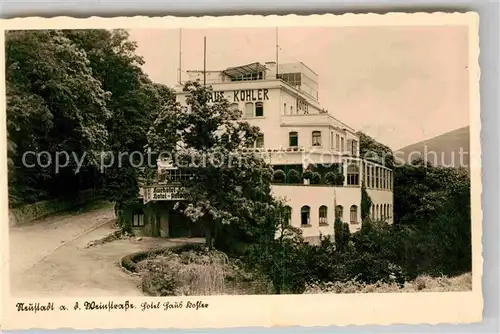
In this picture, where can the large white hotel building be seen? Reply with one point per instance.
(297, 135)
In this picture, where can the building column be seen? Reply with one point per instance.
(361, 168)
(344, 167)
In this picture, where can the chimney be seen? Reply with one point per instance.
(271, 70)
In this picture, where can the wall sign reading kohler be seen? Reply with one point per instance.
(244, 95)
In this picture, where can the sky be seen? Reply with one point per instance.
(400, 85)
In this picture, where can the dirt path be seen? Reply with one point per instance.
(31, 242)
(71, 269)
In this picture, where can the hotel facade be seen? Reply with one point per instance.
(318, 170)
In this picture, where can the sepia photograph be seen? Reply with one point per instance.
(197, 161)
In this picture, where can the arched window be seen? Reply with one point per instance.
(383, 211)
(293, 139)
(259, 109)
(249, 109)
(316, 138)
(284, 109)
(377, 212)
(373, 212)
(288, 215)
(305, 215)
(138, 219)
(259, 143)
(339, 212)
(354, 214)
(323, 215)
(352, 174)
(234, 106)
(291, 110)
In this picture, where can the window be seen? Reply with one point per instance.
(224, 138)
(323, 215)
(373, 212)
(316, 138)
(383, 212)
(376, 177)
(288, 215)
(305, 215)
(284, 108)
(291, 110)
(176, 176)
(138, 219)
(354, 214)
(354, 146)
(337, 142)
(293, 79)
(339, 212)
(234, 106)
(372, 176)
(259, 109)
(377, 212)
(331, 140)
(368, 172)
(260, 141)
(293, 139)
(352, 174)
(249, 76)
(342, 147)
(249, 109)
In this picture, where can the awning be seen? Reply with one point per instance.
(238, 71)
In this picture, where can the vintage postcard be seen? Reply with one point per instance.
(212, 172)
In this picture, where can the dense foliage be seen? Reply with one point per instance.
(80, 92)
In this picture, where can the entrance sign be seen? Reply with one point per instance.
(165, 193)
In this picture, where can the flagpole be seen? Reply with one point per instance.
(180, 56)
(205, 61)
(277, 53)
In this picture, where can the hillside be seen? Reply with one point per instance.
(441, 150)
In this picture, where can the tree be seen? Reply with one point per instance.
(134, 104)
(54, 104)
(342, 235)
(206, 140)
(278, 250)
(366, 203)
(374, 151)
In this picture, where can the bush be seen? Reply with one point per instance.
(340, 179)
(294, 176)
(316, 178)
(307, 175)
(421, 283)
(189, 273)
(331, 178)
(279, 176)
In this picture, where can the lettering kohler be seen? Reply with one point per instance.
(245, 95)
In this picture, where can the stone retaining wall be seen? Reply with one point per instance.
(30, 212)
